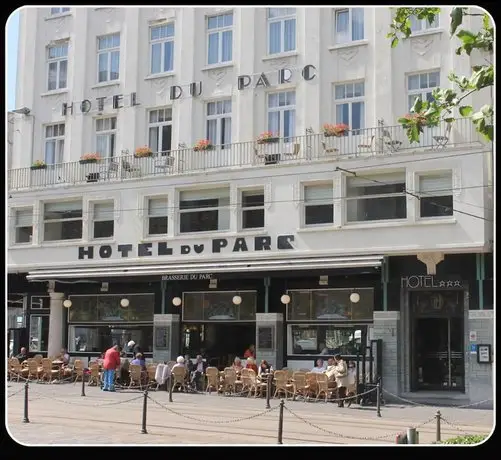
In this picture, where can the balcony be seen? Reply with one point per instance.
(311, 148)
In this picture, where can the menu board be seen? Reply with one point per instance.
(162, 334)
(265, 338)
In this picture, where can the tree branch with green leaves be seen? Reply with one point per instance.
(445, 101)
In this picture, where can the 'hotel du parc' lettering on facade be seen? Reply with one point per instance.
(217, 245)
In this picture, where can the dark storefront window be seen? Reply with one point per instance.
(312, 339)
(219, 306)
(330, 304)
(39, 333)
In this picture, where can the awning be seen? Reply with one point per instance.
(210, 267)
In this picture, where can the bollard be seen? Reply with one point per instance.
(438, 416)
(378, 399)
(281, 421)
(171, 386)
(83, 384)
(26, 419)
(401, 438)
(412, 437)
(268, 391)
(145, 405)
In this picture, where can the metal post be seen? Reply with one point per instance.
(281, 421)
(145, 405)
(268, 391)
(83, 383)
(378, 399)
(438, 416)
(411, 436)
(26, 419)
(170, 387)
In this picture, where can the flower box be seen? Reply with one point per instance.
(268, 138)
(143, 152)
(335, 130)
(35, 167)
(203, 145)
(87, 161)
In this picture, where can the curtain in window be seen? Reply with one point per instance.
(115, 65)
(213, 48)
(357, 24)
(50, 152)
(157, 207)
(212, 131)
(103, 67)
(343, 114)
(102, 145)
(103, 211)
(24, 218)
(290, 35)
(63, 72)
(342, 26)
(274, 122)
(289, 123)
(153, 139)
(207, 194)
(52, 84)
(226, 131)
(357, 115)
(438, 185)
(275, 31)
(168, 56)
(314, 193)
(226, 49)
(156, 51)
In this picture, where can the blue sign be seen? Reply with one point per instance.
(473, 348)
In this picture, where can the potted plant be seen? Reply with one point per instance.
(267, 138)
(89, 158)
(143, 152)
(336, 130)
(203, 144)
(38, 164)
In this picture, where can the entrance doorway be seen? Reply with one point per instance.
(438, 341)
(221, 342)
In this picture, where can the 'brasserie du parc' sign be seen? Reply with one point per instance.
(217, 245)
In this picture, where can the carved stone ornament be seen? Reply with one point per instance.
(348, 54)
(218, 76)
(421, 45)
(431, 260)
(279, 63)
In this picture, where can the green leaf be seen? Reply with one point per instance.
(418, 104)
(465, 110)
(486, 22)
(456, 19)
(413, 135)
(394, 42)
(403, 121)
(449, 120)
(466, 36)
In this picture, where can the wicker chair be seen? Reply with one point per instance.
(281, 385)
(78, 370)
(254, 384)
(212, 379)
(135, 373)
(34, 370)
(95, 377)
(299, 385)
(47, 372)
(322, 386)
(179, 377)
(230, 378)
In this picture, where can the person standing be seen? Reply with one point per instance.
(250, 352)
(341, 375)
(111, 363)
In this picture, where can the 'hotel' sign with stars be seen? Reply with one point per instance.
(429, 282)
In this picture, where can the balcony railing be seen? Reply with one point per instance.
(371, 142)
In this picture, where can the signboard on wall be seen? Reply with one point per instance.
(429, 282)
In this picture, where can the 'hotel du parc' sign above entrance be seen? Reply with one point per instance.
(216, 246)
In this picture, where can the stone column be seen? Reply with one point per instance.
(387, 328)
(270, 338)
(56, 323)
(165, 337)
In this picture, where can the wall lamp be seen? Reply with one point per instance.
(176, 301)
(22, 111)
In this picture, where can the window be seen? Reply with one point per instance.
(57, 58)
(162, 48)
(349, 25)
(160, 130)
(418, 25)
(218, 306)
(380, 198)
(204, 210)
(108, 57)
(54, 144)
(282, 114)
(219, 122)
(253, 209)
(421, 86)
(106, 129)
(350, 105)
(435, 191)
(281, 30)
(63, 221)
(219, 38)
(23, 225)
(40, 302)
(54, 11)
(104, 219)
(157, 216)
(39, 333)
(318, 204)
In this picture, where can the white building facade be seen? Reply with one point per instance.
(265, 235)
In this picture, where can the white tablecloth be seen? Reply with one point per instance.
(162, 373)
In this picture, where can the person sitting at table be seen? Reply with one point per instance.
(320, 367)
(179, 362)
(22, 356)
(251, 364)
(250, 352)
(139, 360)
(264, 368)
(237, 365)
(64, 356)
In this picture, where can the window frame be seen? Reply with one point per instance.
(350, 26)
(108, 133)
(424, 25)
(59, 143)
(350, 101)
(244, 209)
(16, 226)
(71, 219)
(217, 208)
(318, 203)
(218, 117)
(57, 60)
(219, 31)
(281, 109)
(148, 215)
(420, 92)
(108, 51)
(161, 41)
(158, 125)
(281, 19)
(61, 11)
(92, 231)
(450, 193)
(42, 315)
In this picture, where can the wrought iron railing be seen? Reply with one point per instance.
(380, 141)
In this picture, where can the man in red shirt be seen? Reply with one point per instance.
(110, 364)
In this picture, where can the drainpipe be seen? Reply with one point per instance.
(384, 282)
(163, 288)
(266, 294)
(480, 279)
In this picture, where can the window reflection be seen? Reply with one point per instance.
(329, 340)
(219, 306)
(39, 332)
(100, 338)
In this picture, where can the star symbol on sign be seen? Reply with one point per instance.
(442, 284)
(457, 283)
(449, 284)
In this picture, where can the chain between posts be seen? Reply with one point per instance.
(433, 405)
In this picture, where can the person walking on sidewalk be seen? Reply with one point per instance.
(111, 363)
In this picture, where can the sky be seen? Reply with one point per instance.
(11, 64)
